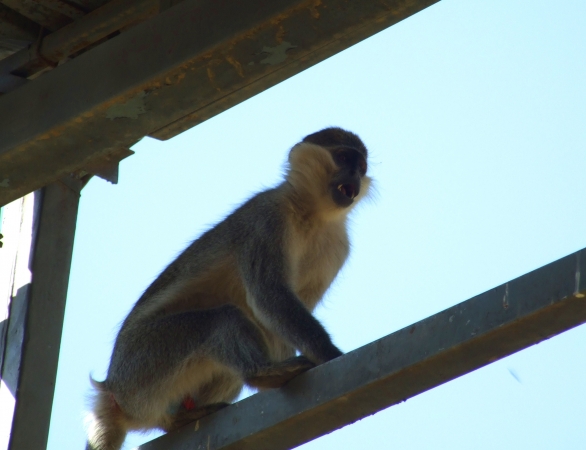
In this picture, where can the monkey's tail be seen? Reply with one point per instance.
(107, 423)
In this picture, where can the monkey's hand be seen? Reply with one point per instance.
(280, 373)
(1, 244)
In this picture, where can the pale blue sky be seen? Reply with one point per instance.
(474, 114)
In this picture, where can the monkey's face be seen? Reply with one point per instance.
(327, 170)
(347, 181)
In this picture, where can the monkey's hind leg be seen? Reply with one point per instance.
(280, 373)
(271, 377)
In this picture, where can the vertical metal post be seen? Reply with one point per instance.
(15, 279)
(43, 319)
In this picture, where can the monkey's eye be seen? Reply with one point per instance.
(362, 166)
(341, 157)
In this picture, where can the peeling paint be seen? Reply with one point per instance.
(210, 73)
(277, 54)
(129, 110)
(5, 183)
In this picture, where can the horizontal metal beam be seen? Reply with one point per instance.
(16, 31)
(73, 38)
(449, 344)
(179, 68)
(76, 36)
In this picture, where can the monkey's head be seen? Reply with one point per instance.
(332, 160)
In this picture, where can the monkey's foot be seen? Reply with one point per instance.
(185, 416)
(280, 373)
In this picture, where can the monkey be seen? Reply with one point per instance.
(235, 306)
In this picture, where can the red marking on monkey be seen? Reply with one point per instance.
(188, 403)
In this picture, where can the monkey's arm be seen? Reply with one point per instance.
(276, 305)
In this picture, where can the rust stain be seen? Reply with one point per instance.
(276, 20)
(210, 59)
(386, 5)
(236, 65)
(213, 55)
(211, 74)
(399, 10)
(280, 34)
(313, 9)
(55, 133)
(121, 99)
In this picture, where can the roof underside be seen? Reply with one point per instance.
(83, 80)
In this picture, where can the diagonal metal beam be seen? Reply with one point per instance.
(442, 347)
(181, 67)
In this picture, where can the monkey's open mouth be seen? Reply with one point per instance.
(348, 190)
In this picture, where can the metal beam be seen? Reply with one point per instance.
(75, 37)
(44, 311)
(449, 344)
(16, 31)
(181, 67)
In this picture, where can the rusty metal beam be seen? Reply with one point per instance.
(181, 67)
(442, 347)
(33, 10)
(75, 37)
(16, 31)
